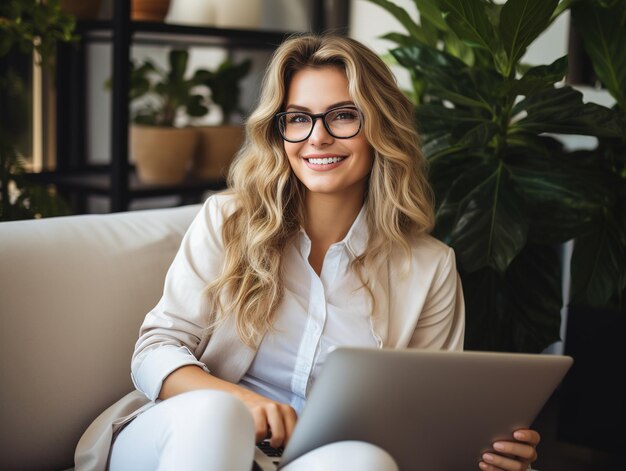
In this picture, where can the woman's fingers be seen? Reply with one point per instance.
(517, 450)
(512, 455)
(493, 462)
(531, 437)
(278, 418)
(276, 424)
(260, 423)
(282, 420)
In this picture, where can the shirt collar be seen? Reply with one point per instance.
(357, 236)
(355, 240)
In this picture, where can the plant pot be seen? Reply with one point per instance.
(149, 10)
(82, 9)
(162, 155)
(238, 13)
(216, 148)
(191, 12)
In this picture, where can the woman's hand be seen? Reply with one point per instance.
(512, 455)
(269, 415)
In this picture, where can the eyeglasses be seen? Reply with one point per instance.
(342, 123)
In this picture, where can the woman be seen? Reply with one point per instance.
(320, 241)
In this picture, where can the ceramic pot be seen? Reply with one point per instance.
(244, 14)
(149, 10)
(82, 9)
(162, 155)
(191, 12)
(217, 145)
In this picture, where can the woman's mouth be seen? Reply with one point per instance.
(323, 162)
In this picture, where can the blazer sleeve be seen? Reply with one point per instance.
(441, 325)
(174, 328)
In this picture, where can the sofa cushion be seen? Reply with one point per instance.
(73, 293)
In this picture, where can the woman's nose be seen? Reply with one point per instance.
(319, 134)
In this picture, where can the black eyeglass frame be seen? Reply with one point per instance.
(321, 116)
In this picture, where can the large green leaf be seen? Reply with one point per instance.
(429, 61)
(492, 223)
(479, 136)
(561, 110)
(403, 17)
(446, 76)
(521, 21)
(563, 6)
(429, 10)
(177, 64)
(469, 20)
(433, 118)
(403, 40)
(536, 79)
(519, 311)
(564, 199)
(604, 36)
(451, 172)
(598, 268)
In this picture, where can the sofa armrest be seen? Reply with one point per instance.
(73, 293)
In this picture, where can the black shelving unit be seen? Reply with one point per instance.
(74, 177)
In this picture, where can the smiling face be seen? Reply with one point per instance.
(324, 164)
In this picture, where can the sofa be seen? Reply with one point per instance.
(73, 293)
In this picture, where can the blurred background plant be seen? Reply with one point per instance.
(27, 27)
(599, 258)
(508, 191)
(225, 87)
(168, 89)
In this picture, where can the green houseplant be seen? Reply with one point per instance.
(596, 318)
(26, 26)
(219, 144)
(163, 152)
(598, 268)
(507, 190)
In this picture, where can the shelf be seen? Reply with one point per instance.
(99, 183)
(166, 34)
(75, 177)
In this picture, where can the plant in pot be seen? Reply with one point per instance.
(591, 393)
(219, 144)
(26, 27)
(162, 152)
(507, 190)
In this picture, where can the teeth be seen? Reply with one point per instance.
(326, 160)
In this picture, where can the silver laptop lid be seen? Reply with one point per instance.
(429, 409)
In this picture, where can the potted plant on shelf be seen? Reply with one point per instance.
(162, 152)
(507, 191)
(219, 144)
(26, 27)
(149, 10)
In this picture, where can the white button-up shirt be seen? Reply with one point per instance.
(317, 314)
(418, 304)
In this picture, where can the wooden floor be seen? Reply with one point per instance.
(558, 455)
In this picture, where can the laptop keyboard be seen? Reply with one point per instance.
(265, 447)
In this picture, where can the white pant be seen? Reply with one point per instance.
(212, 430)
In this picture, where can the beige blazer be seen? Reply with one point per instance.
(421, 307)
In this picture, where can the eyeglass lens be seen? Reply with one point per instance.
(341, 123)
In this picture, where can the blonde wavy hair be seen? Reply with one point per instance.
(269, 198)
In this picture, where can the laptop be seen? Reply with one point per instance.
(429, 409)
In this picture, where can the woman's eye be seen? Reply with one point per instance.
(298, 119)
(345, 115)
